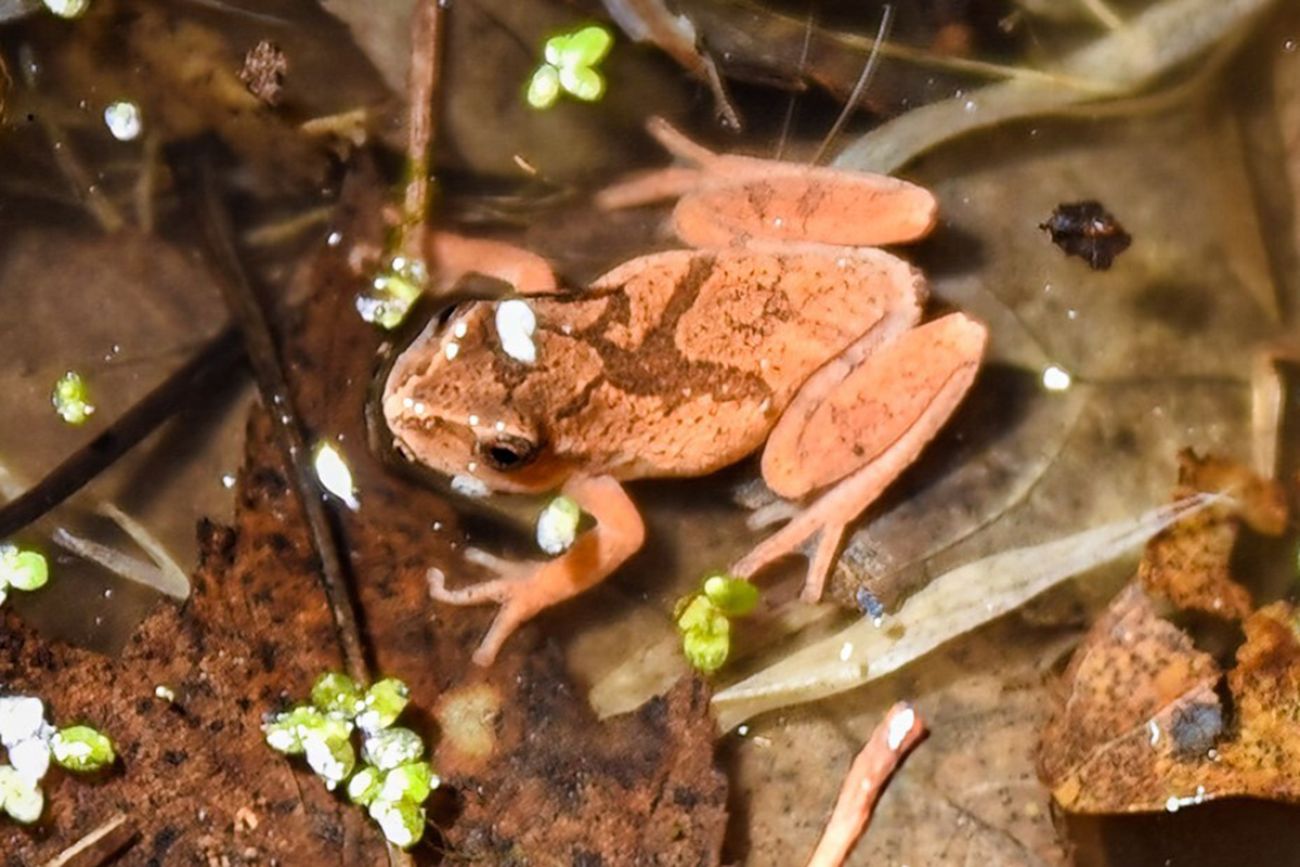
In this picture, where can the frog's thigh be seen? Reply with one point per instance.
(839, 423)
(777, 202)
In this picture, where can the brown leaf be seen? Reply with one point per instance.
(538, 776)
(1188, 563)
(196, 777)
(1142, 728)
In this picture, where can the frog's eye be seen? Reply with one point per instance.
(506, 453)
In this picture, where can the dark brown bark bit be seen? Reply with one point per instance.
(1089, 231)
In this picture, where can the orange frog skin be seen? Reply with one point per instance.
(784, 331)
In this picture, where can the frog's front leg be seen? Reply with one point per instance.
(856, 424)
(455, 256)
(525, 588)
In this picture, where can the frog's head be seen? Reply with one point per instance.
(450, 402)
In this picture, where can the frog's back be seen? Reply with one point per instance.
(701, 351)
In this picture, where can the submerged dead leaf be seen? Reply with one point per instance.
(1143, 729)
(1188, 564)
(547, 783)
(1139, 723)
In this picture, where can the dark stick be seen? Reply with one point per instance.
(247, 312)
(194, 378)
(421, 129)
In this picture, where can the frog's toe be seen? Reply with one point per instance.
(496, 590)
(793, 538)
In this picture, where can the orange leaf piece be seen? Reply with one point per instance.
(1188, 563)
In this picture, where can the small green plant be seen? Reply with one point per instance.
(21, 569)
(71, 398)
(557, 525)
(704, 619)
(569, 66)
(392, 780)
(31, 743)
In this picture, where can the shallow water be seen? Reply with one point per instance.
(1159, 352)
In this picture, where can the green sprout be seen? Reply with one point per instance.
(557, 525)
(395, 288)
(704, 619)
(570, 67)
(71, 398)
(21, 569)
(390, 780)
(82, 749)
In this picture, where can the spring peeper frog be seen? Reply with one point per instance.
(783, 330)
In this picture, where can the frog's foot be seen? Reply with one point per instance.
(524, 588)
(791, 539)
(775, 512)
(645, 188)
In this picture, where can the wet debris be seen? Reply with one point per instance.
(1087, 230)
(263, 72)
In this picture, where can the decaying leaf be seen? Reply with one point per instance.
(536, 776)
(185, 80)
(1188, 562)
(1143, 729)
(1139, 724)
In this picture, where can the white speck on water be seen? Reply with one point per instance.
(516, 322)
(1175, 803)
(899, 726)
(468, 486)
(123, 120)
(335, 475)
(1056, 378)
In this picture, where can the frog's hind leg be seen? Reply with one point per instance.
(854, 428)
(525, 588)
(672, 182)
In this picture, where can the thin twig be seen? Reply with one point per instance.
(194, 379)
(868, 71)
(900, 730)
(99, 846)
(247, 312)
